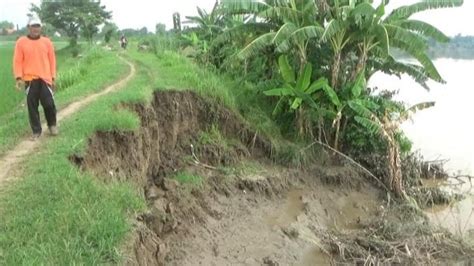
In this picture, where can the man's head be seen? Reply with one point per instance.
(34, 27)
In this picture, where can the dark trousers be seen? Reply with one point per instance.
(38, 91)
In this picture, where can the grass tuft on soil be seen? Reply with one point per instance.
(188, 178)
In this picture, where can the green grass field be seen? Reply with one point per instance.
(57, 214)
(9, 97)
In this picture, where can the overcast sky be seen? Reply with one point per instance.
(140, 13)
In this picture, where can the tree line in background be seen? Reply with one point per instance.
(459, 47)
(6, 27)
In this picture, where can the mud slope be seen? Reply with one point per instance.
(246, 210)
(169, 126)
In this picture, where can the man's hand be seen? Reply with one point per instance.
(53, 85)
(20, 84)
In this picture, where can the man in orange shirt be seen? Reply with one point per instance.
(34, 67)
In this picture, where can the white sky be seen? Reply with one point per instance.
(140, 13)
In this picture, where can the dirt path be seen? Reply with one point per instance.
(11, 160)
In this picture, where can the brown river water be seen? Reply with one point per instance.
(445, 132)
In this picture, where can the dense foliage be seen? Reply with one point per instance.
(312, 60)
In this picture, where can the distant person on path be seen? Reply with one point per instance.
(34, 67)
(123, 41)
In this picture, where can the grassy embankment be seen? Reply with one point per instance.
(57, 214)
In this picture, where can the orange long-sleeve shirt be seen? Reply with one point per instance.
(34, 58)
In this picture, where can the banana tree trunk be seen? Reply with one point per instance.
(361, 63)
(336, 135)
(395, 168)
(335, 70)
(303, 59)
(300, 122)
(320, 129)
(303, 124)
(342, 130)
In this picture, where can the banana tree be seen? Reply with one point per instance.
(290, 25)
(357, 36)
(387, 126)
(357, 27)
(298, 92)
(337, 34)
(397, 30)
(208, 25)
(342, 102)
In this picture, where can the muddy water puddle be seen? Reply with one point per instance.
(314, 256)
(294, 206)
(353, 208)
(340, 211)
(457, 217)
(434, 183)
(293, 214)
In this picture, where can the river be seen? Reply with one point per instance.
(443, 132)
